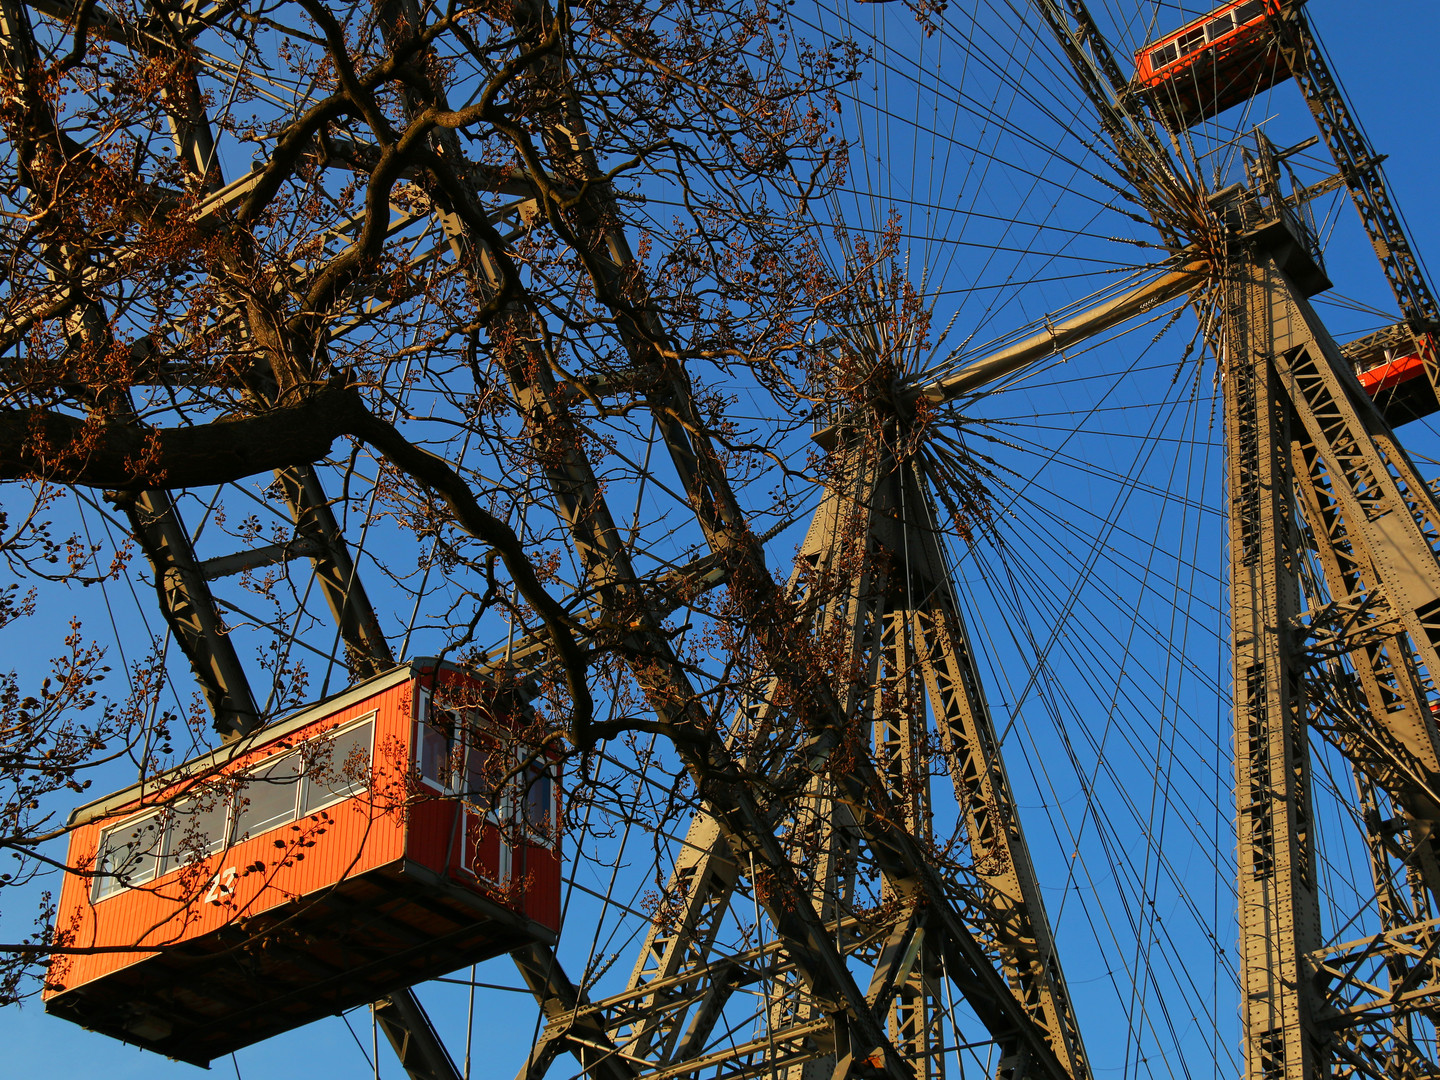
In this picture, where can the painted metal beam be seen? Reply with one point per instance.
(1195, 274)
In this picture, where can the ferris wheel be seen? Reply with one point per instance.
(1069, 455)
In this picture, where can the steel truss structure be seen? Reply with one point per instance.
(1334, 612)
(1314, 465)
(882, 592)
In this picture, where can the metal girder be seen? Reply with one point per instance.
(698, 893)
(1313, 464)
(1360, 170)
(1359, 167)
(324, 544)
(747, 829)
(317, 533)
(1369, 632)
(1401, 859)
(186, 600)
(910, 643)
(1278, 896)
(1379, 982)
(1094, 65)
(1085, 34)
(191, 612)
(417, 1046)
(1195, 274)
(925, 614)
(1147, 165)
(894, 609)
(570, 1024)
(1391, 525)
(703, 991)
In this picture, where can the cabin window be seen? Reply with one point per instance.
(197, 829)
(434, 755)
(266, 798)
(284, 788)
(1166, 54)
(277, 792)
(1191, 40)
(458, 756)
(480, 778)
(1218, 28)
(342, 773)
(539, 802)
(440, 752)
(1249, 11)
(129, 855)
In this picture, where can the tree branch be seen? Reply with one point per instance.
(38, 444)
(42, 445)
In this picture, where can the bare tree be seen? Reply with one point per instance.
(429, 280)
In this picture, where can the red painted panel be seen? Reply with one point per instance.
(431, 838)
(1391, 374)
(538, 868)
(483, 848)
(486, 857)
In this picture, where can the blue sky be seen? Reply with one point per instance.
(1397, 98)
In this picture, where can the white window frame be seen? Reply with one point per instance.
(1190, 35)
(169, 862)
(371, 718)
(466, 720)
(495, 816)
(424, 710)
(509, 814)
(105, 885)
(261, 766)
(539, 837)
(1250, 18)
(503, 808)
(1213, 30)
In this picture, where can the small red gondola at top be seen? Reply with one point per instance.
(1211, 63)
(393, 833)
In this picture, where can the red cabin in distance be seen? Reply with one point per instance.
(1392, 372)
(382, 837)
(1212, 63)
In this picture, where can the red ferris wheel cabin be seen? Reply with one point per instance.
(390, 834)
(1391, 369)
(1211, 63)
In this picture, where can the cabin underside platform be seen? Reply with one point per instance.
(328, 952)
